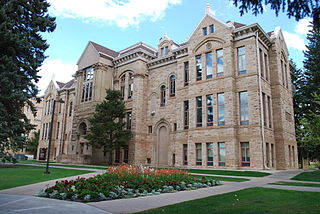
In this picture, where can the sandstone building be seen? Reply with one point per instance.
(222, 100)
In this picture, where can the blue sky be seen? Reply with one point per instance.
(118, 24)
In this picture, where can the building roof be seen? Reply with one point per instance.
(104, 50)
(236, 24)
(69, 84)
(60, 84)
(137, 46)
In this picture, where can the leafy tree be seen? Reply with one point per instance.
(21, 54)
(107, 126)
(298, 9)
(32, 143)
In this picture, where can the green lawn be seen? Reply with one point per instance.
(23, 175)
(218, 178)
(308, 176)
(253, 200)
(295, 184)
(230, 172)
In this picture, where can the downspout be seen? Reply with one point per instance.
(260, 103)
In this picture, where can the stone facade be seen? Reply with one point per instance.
(222, 100)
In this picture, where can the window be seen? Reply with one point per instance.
(46, 132)
(198, 154)
(242, 60)
(185, 154)
(149, 129)
(244, 118)
(204, 31)
(245, 154)
(43, 129)
(186, 73)
(162, 51)
(209, 154)
(209, 65)
(222, 153)
(174, 126)
(286, 75)
(70, 109)
(266, 66)
(220, 63)
(117, 155)
(163, 95)
(130, 86)
(269, 111)
(122, 85)
(199, 67)
(125, 154)
(199, 111)
(282, 73)
(58, 128)
(83, 129)
(209, 110)
(221, 120)
(211, 27)
(186, 114)
(172, 85)
(166, 50)
(264, 109)
(261, 62)
(272, 155)
(88, 75)
(129, 120)
(268, 155)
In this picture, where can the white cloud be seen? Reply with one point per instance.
(62, 72)
(121, 13)
(294, 41)
(303, 26)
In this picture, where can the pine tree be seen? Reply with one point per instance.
(107, 126)
(21, 54)
(298, 9)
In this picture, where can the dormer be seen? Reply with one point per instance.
(166, 46)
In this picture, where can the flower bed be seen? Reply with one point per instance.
(125, 181)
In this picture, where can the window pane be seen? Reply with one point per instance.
(204, 30)
(199, 67)
(220, 62)
(211, 28)
(209, 65)
(221, 98)
(221, 113)
(244, 97)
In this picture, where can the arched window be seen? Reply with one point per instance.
(83, 128)
(172, 85)
(130, 86)
(163, 95)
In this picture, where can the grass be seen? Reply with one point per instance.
(295, 184)
(253, 200)
(218, 178)
(229, 172)
(24, 175)
(308, 176)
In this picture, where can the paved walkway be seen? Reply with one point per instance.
(11, 199)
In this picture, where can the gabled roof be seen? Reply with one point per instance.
(60, 84)
(104, 50)
(137, 46)
(236, 24)
(69, 84)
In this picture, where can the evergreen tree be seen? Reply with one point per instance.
(21, 54)
(298, 9)
(107, 126)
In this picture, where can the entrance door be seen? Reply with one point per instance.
(162, 147)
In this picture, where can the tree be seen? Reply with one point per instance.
(107, 126)
(298, 9)
(32, 143)
(21, 54)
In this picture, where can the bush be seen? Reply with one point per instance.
(125, 181)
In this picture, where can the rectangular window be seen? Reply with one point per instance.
(264, 107)
(149, 129)
(245, 154)
(209, 154)
(199, 111)
(162, 51)
(186, 114)
(211, 28)
(242, 67)
(186, 73)
(286, 75)
(244, 110)
(221, 109)
(174, 126)
(261, 62)
(266, 66)
(166, 50)
(58, 128)
(209, 110)
(204, 31)
(185, 154)
(272, 155)
(199, 67)
(46, 132)
(129, 120)
(290, 161)
(43, 129)
(209, 65)
(282, 73)
(130, 86)
(269, 111)
(222, 153)
(268, 154)
(198, 154)
(220, 71)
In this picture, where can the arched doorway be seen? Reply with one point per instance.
(162, 145)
